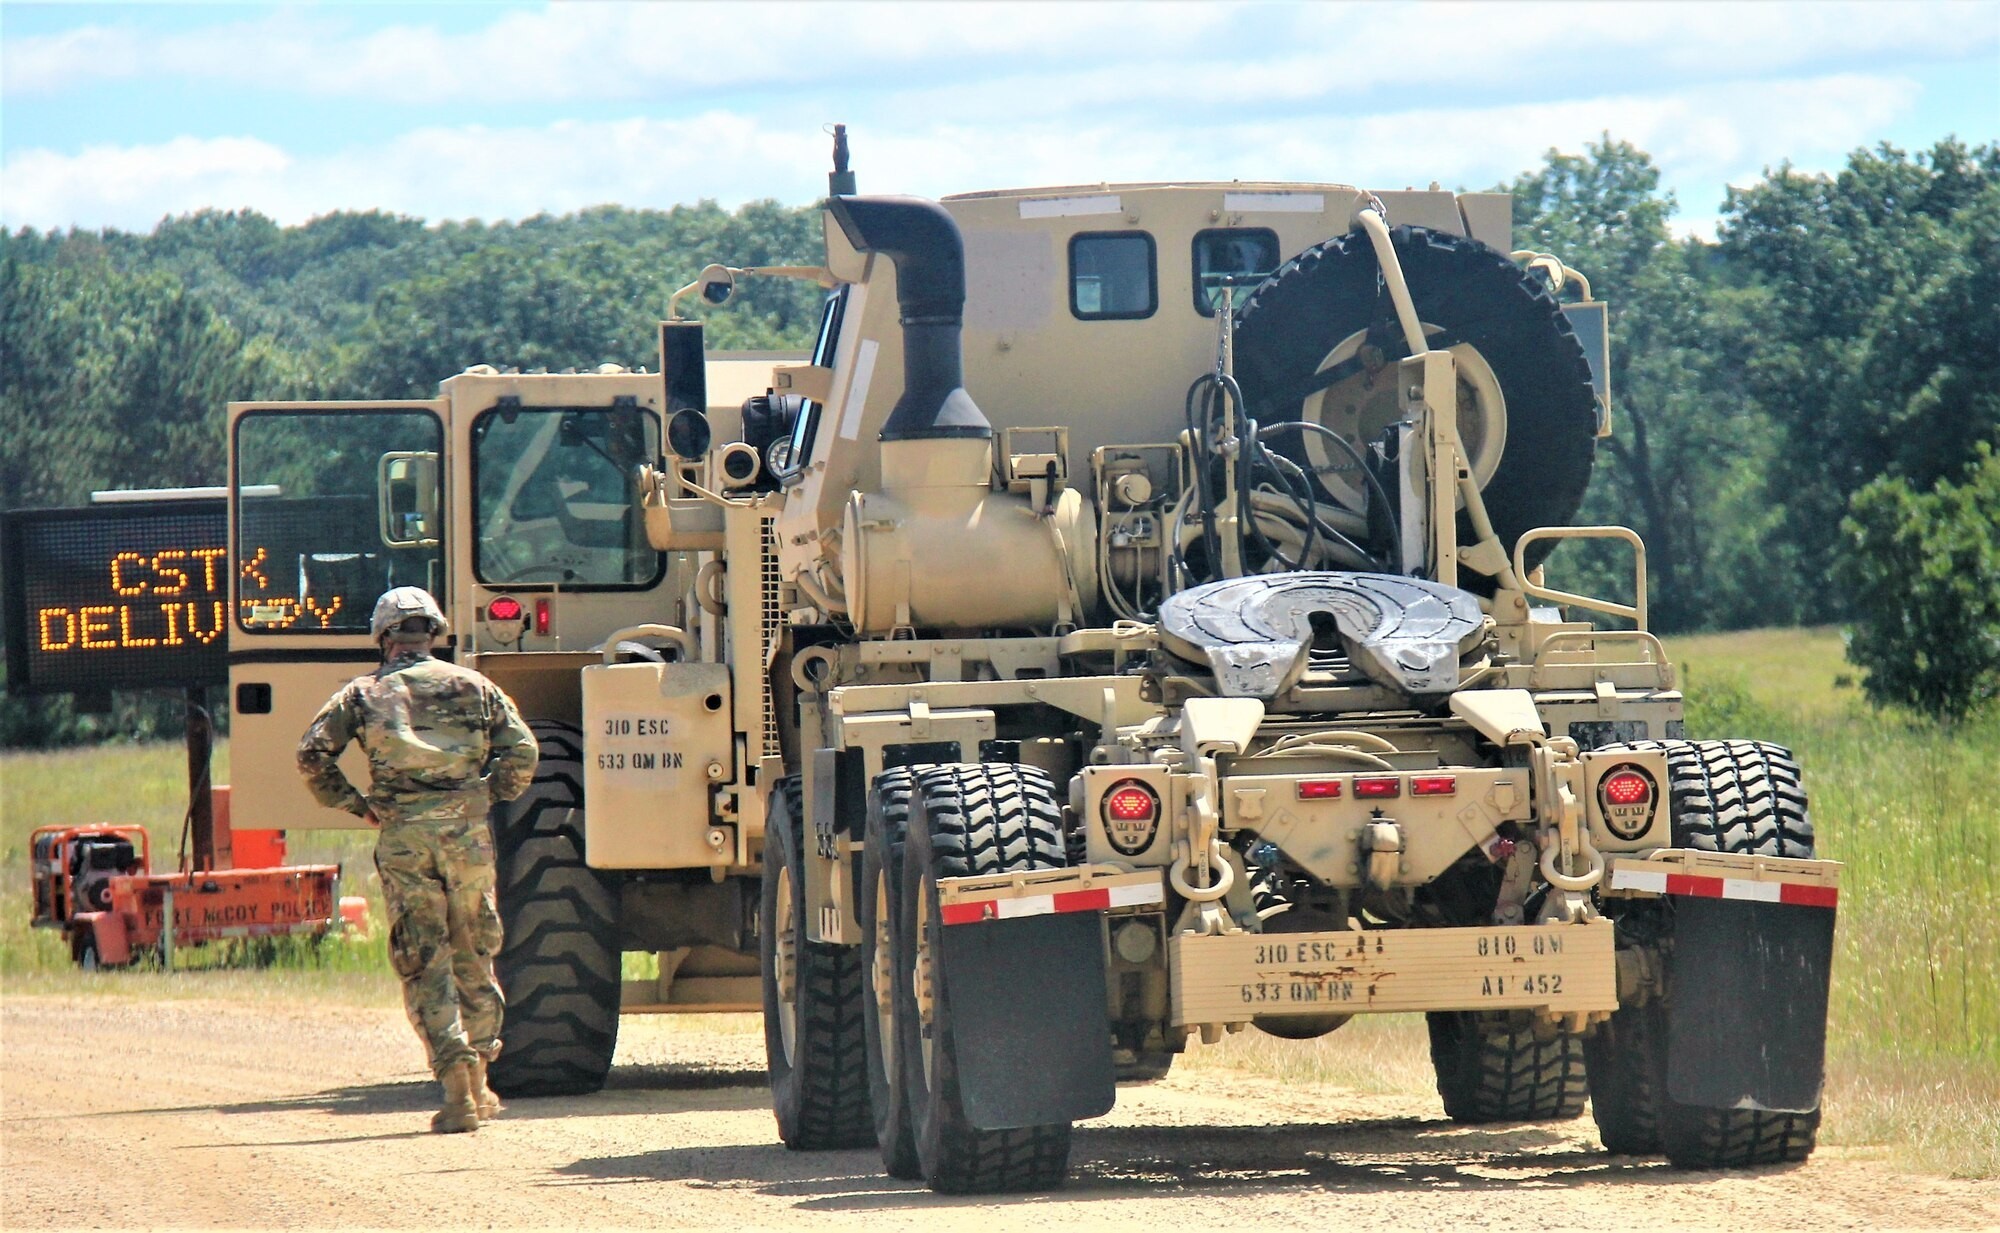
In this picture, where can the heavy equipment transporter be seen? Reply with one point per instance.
(1126, 626)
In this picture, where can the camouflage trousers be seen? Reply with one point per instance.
(444, 929)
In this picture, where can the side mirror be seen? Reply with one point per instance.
(688, 435)
(717, 284)
(406, 495)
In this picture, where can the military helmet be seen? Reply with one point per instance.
(397, 605)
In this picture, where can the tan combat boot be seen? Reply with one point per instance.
(483, 1099)
(459, 1114)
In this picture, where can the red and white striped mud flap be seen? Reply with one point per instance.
(1717, 875)
(1046, 892)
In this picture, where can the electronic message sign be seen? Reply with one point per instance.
(123, 596)
(136, 594)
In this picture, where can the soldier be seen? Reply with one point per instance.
(443, 744)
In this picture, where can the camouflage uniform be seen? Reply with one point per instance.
(443, 744)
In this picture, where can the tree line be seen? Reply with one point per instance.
(1836, 342)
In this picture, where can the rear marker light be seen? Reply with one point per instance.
(1318, 789)
(1434, 785)
(1627, 788)
(1628, 799)
(1131, 802)
(1131, 812)
(542, 616)
(1378, 788)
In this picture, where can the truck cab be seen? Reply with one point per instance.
(508, 496)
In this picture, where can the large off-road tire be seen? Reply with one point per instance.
(813, 1006)
(967, 819)
(1491, 1071)
(1743, 797)
(558, 962)
(1625, 1059)
(1532, 445)
(881, 886)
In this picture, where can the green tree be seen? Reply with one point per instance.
(1922, 572)
(111, 379)
(551, 294)
(1871, 295)
(1686, 439)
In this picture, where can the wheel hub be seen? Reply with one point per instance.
(785, 957)
(1358, 407)
(883, 973)
(921, 975)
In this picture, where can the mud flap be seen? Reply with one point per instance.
(1746, 1018)
(1029, 1026)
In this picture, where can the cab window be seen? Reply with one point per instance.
(312, 506)
(1231, 252)
(1112, 276)
(553, 496)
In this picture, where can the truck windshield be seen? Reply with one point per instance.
(311, 555)
(554, 496)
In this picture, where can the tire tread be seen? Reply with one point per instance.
(1732, 796)
(985, 819)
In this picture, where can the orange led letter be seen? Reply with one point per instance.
(208, 557)
(125, 634)
(194, 624)
(118, 582)
(49, 616)
(165, 571)
(86, 627)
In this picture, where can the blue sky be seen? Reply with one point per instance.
(118, 115)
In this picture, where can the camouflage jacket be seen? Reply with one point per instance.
(442, 742)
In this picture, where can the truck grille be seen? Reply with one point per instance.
(770, 617)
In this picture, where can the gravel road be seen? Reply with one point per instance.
(116, 1112)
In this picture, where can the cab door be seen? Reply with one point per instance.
(330, 504)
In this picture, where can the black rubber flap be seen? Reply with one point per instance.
(1746, 1020)
(1028, 1019)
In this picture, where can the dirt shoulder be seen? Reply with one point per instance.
(184, 1113)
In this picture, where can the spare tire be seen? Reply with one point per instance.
(1319, 341)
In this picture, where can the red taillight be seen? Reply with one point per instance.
(1378, 787)
(1131, 801)
(1627, 788)
(1318, 789)
(542, 616)
(1433, 785)
(505, 608)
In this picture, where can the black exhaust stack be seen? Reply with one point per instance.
(924, 243)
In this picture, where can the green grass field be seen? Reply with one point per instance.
(1911, 808)
(147, 785)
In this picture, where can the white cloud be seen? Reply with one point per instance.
(133, 186)
(608, 51)
(1708, 136)
(1199, 53)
